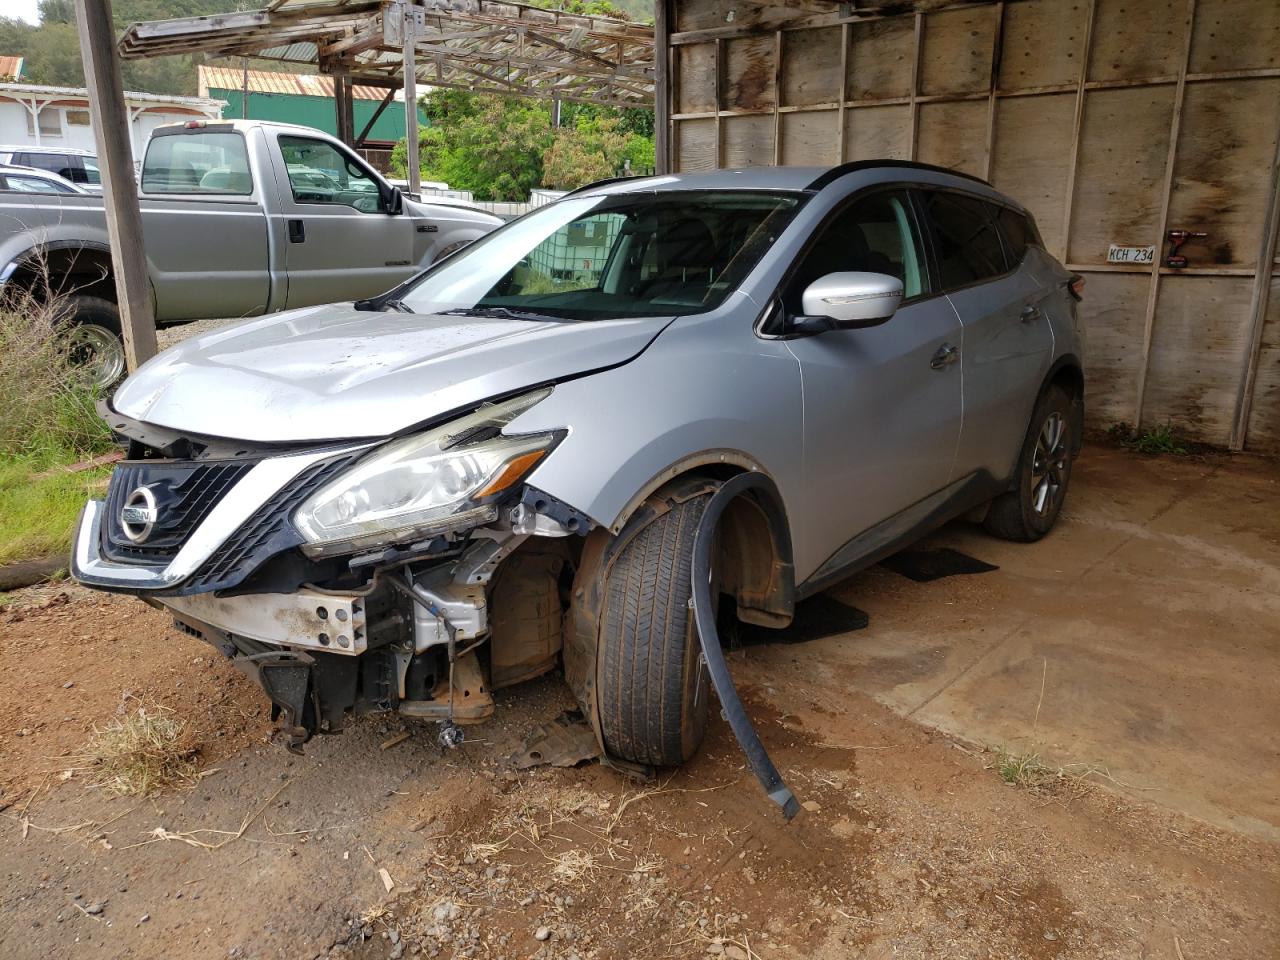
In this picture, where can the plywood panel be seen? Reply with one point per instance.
(1042, 44)
(709, 14)
(954, 135)
(956, 56)
(874, 133)
(1032, 156)
(1113, 312)
(811, 66)
(810, 138)
(1225, 145)
(1120, 181)
(1235, 35)
(881, 55)
(695, 144)
(1264, 416)
(695, 69)
(749, 73)
(746, 141)
(1197, 354)
(1137, 38)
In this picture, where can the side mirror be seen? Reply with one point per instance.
(392, 199)
(848, 301)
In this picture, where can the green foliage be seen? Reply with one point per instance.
(1157, 440)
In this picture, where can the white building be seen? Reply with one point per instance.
(59, 116)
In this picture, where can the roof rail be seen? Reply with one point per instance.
(600, 183)
(857, 165)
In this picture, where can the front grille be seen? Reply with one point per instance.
(265, 534)
(185, 491)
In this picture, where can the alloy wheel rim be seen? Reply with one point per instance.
(1049, 465)
(97, 353)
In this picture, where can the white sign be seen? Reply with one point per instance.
(1116, 254)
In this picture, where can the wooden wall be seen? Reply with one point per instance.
(1112, 120)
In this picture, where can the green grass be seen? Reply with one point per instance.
(37, 513)
(1154, 441)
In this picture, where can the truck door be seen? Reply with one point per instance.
(204, 226)
(339, 241)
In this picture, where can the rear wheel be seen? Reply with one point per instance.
(1028, 511)
(653, 693)
(95, 341)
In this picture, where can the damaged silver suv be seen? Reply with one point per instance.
(408, 502)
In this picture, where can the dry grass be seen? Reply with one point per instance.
(141, 753)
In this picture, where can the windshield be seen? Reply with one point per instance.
(598, 258)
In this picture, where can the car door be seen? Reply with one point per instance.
(339, 242)
(1008, 342)
(882, 405)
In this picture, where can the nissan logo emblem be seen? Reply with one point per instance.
(139, 514)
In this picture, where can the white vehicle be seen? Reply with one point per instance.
(31, 180)
(70, 163)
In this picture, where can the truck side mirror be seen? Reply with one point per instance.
(392, 200)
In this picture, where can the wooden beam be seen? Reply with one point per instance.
(1086, 50)
(662, 90)
(119, 189)
(997, 50)
(391, 94)
(1258, 309)
(1153, 296)
(915, 87)
(846, 40)
(777, 98)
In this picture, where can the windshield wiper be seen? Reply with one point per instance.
(505, 313)
(397, 305)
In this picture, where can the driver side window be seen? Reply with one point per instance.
(877, 234)
(321, 173)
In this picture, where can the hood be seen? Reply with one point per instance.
(334, 372)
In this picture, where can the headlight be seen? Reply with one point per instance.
(412, 488)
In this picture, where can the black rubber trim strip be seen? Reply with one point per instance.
(855, 166)
(709, 639)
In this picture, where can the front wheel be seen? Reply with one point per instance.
(653, 692)
(94, 339)
(1028, 511)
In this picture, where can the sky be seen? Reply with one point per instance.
(22, 9)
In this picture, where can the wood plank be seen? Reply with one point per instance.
(956, 54)
(1236, 35)
(877, 132)
(1112, 314)
(748, 78)
(1264, 414)
(663, 92)
(1220, 186)
(1197, 355)
(811, 66)
(809, 139)
(695, 143)
(880, 57)
(1042, 44)
(695, 68)
(1136, 40)
(1032, 157)
(954, 135)
(747, 141)
(1119, 184)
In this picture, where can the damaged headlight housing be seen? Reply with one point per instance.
(418, 486)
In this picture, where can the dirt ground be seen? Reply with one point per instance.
(1137, 652)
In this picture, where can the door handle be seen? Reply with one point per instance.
(297, 232)
(946, 355)
(1030, 312)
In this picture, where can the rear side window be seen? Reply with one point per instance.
(965, 239)
(1018, 234)
(208, 163)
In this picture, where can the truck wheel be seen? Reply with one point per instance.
(95, 340)
(1028, 511)
(652, 690)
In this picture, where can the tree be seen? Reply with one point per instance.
(594, 148)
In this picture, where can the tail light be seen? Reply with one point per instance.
(1076, 286)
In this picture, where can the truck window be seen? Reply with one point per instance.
(208, 163)
(321, 173)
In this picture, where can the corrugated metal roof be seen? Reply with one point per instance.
(11, 68)
(266, 81)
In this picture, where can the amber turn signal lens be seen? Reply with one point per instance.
(512, 472)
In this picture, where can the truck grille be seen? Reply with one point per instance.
(185, 493)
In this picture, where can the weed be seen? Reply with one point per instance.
(1160, 439)
(140, 753)
(1022, 769)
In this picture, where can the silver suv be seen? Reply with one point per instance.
(407, 502)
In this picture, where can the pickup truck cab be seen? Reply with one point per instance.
(240, 218)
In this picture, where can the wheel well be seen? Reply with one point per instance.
(1070, 378)
(66, 271)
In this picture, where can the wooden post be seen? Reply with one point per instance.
(661, 87)
(411, 103)
(915, 86)
(119, 189)
(344, 108)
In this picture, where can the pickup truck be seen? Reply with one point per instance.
(240, 218)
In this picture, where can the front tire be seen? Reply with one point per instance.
(653, 694)
(1029, 511)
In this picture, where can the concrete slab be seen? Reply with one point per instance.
(1141, 639)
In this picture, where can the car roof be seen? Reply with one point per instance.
(793, 178)
(32, 148)
(39, 174)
